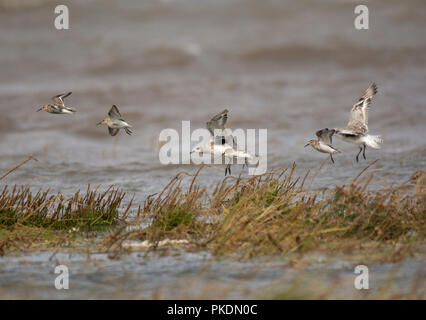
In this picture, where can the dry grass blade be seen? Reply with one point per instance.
(18, 166)
(93, 209)
(273, 214)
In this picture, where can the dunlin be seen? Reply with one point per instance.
(115, 122)
(58, 106)
(324, 142)
(221, 142)
(357, 127)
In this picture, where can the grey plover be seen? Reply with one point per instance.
(115, 122)
(324, 142)
(357, 127)
(58, 106)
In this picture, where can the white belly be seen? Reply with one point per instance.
(325, 148)
(118, 124)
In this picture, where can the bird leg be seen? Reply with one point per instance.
(331, 157)
(363, 153)
(228, 168)
(245, 163)
(360, 149)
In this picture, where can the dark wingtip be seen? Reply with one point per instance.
(374, 86)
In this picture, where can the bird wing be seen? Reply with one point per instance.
(345, 132)
(220, 140)
(114, 113)
(70, 109)
(59, 99)
(358, 120)
(217, 122)
(325, 135)
(113, 131)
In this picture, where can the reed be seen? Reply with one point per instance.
(275, 214)
(87, 211)
(271, 214)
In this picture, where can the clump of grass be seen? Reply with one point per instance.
(171, 220)
(174, 210)
(275, 214)
(94, 209)
(172, 213)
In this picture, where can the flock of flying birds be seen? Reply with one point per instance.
(355, 131)
(223, 144)
(114, 121)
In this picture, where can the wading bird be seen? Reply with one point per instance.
(324, 142)
(222, 143)
(58, 106)
(357, 127)
(115, 122)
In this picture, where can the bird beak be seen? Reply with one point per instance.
(410, 181)
(99, 123)
(306, 145)
(39, 109)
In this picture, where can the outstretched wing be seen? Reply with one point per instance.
(217, 122)
(112, 131)
(325, 135)
(114, 113)
(59, 99)
(358, 120)
(70, 109)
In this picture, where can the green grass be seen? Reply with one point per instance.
(274, 214)
(87, 212)
(271, 214)
(171, 220)
(37, 220)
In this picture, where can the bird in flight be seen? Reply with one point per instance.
(222, 143)
(115, 122)
(58, 105)
(324, 142)
(357, 127)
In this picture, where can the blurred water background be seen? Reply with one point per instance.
(291, 67)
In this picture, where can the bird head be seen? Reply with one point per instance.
(310, 143)
(104, 121)
(44, 107)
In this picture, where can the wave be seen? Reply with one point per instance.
(152, 58)
(343, 54)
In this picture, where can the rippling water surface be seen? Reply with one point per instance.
(291, 67)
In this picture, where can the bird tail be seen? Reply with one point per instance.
(373, 141)
(128, 131)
